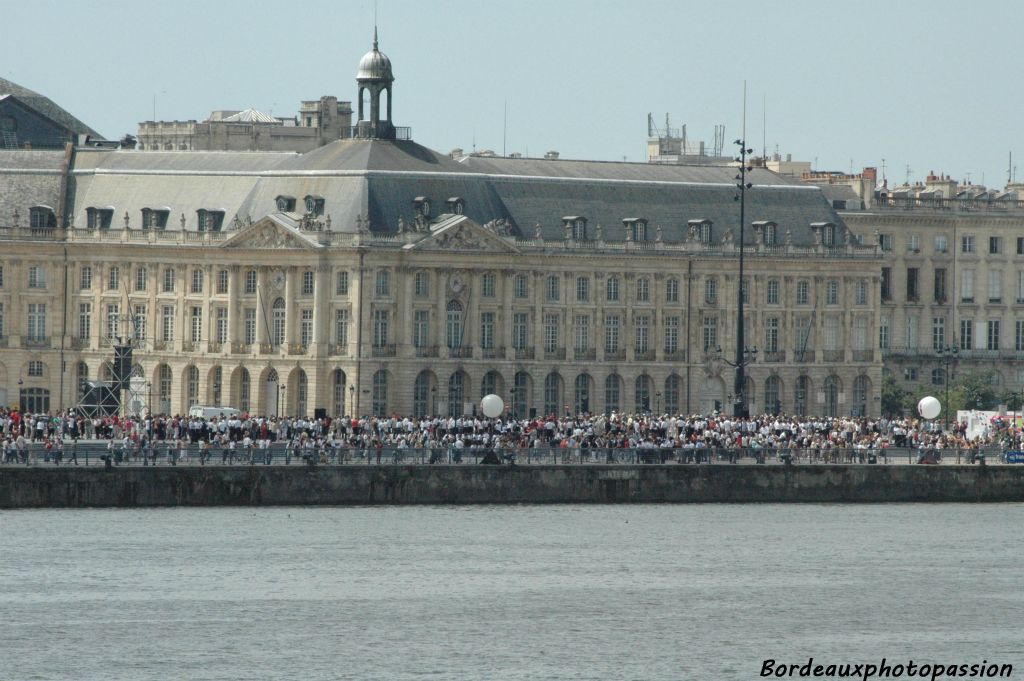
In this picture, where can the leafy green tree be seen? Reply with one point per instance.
(894, 398)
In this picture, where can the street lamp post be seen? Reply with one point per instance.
(746, 356)
(433, 399)
(740, 408)
(657, 402)
(946, 355)
(280, 400)
(351, 400)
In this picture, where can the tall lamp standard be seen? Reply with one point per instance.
(280, 401)
(946, 355)
(740, 408)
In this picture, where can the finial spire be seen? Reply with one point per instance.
(375, 38)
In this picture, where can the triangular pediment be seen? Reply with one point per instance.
(460, 233)
(269, 233)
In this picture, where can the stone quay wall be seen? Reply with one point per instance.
(71, 487)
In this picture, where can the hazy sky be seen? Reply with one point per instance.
(933, 85)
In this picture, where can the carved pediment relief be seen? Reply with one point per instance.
(462, 234)
(267, 234)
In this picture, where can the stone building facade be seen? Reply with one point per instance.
(373, 275)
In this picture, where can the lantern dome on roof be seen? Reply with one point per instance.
(375, 65)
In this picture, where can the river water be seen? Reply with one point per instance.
(499, 593)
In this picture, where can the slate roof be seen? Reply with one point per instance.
(28, 178)
(47, 107)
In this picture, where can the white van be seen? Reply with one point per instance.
(202, 412)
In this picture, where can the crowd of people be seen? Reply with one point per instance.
(244, 436)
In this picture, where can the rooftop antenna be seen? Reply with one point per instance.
(883, 171)
(1009, 170)
(764, 126)
(908, 174)
(504, 132)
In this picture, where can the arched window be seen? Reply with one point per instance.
(164, 381)
(338, 385)
(672, 391)
(82, 370)
(244, 390)
(832, 396)
(35, 400)
(861, 389)
(612, 393)
(421, 395)
(642, 394)
(453, 324)
(521, 395)
(581, 400)
(772, 393)
(456, 393)
(302, 394)
(192, 385)
(490, 385)
(800, 395)
(380, 393)
(215, 385)
(277, 332)
(552, 393)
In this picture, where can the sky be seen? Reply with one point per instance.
(910, 86)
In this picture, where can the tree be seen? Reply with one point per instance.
(973, 390)
(893, 397)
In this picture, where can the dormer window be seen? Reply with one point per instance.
(99, 218)
(314, 205)
(576, 225)
(155, 218)
(456, 205)
(42, 217)
(828, 234)
(209, 220)
(285, 204)
(769, 232)
(421, 205)
(637, 227)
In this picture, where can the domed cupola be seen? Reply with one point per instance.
(373, 78)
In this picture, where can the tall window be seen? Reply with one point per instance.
(552, 288)
(197, 281)
(308, 283)
(772, 394)
(487, 330)
(488, 285)
(995, 245)
(672, 290)
(196, 326)
(244, 389)
(453, 324)
(192, 385)
(709, 328)
(938, 333)
(642, 394)
(831, 330)
(912, 288)
(860, 333)
(551, 324)
(168, 280)
(911, 332)
(383, 284)
(341, 328)
(113, 278)
(612, 290)
(803, 292)
(222, 325)
(306, 328)
(341, 284)
(772, 292)
(37, 321)
(967, 286)
(167, 324)
(940, 285)
(995, 286)
(113, 320)
(380, 328)
(250, 281)
(85, 278)
(611, 333)
(993, 334)
(771, 334)
(521, 287)
(421, 394)
(671, 334)
(520, 330)
(582, 289)
(1018, 335)
(250, 325)
(643, 290)
(552, 393)
(861, 293)
(886, 283)
(139, 322)
(967, 243)
(832, 292)
(36, 277)
(223, 277)
(421, 285)
(278, 328)
(420, 328)
(141, 278)
(672, 390)
(641, 333)
(84, 321)
(710, 290)
(581, 330)
(966, 334)
(884, 334)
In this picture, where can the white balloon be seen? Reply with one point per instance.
(929, 407)
(492, 406)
